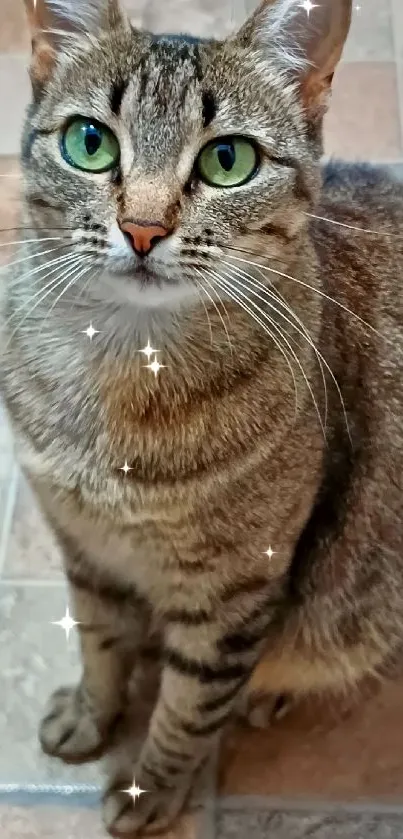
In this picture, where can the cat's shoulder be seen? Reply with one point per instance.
(359, 183)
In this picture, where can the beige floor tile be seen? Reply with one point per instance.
(67, 821)
(14, 97)
(363, 121)
(10, 184)
(279, 825)
(13, 27)
(135, 9)
(31, 551)
(35, 658)
(397, 12)
(7, 478)
(371, 33)
(321, 751)
(202, 17)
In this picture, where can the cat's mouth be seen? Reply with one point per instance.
(145, 276)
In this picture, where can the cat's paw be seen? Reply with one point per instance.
(68, 729)
(152, 812)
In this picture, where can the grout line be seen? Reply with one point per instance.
(303, 805)
(53, 789)
(40, 795)
(8, 516)
(21, 582)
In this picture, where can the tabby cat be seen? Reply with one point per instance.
(203, 363)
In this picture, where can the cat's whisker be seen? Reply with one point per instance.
(262, 255)
(74, 273)
(19, 280)
(292, 351)
(316, 290)
(33, 241)
(227, 289)
(275, 294)
(32, 256)
(45, 227)
(244, 277)
(200, 290)
(354, 227)
(41, 296)
(55, 265)
(252, 281)
(204, 278)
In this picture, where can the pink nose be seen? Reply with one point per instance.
(143, 235)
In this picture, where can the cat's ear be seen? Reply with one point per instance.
(53, 21)
(307, 37)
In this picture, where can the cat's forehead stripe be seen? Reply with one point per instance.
(118, 91)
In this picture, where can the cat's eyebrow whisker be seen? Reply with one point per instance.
(316, 290)
(203, 275)
(292, 351)
(353, 227)
(227, 289)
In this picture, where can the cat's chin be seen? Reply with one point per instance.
(145, 291)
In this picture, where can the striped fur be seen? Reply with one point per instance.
(167, 564)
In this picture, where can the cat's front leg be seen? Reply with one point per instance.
(78, 719)
(205, 668)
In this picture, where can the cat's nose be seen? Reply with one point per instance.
(143, 235)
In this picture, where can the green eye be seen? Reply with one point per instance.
(90, 146)
(228, 162)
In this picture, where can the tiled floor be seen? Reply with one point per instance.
(329, 771)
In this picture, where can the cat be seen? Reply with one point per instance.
(202, 363)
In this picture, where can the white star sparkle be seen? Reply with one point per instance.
(149, 350)
(155, 366)
(126, 468)
(67, 623)
(90, 332)
(134, 791)
(308, 6)
(270, 553)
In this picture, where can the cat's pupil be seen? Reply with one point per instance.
(226, 156)
(92, 140)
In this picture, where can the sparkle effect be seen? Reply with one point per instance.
(149, 351)
(270, 553)
(90, 332)
(134, 791)
(155, 366)
(308, 6)
(126, 468)
(67, 623)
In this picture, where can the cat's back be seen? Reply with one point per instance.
(358, 234)
(361, 205)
